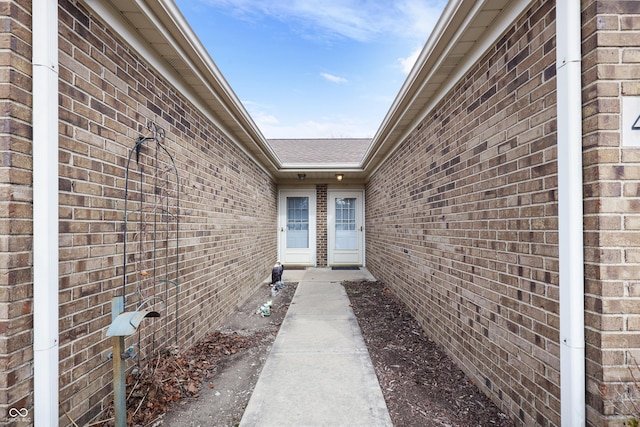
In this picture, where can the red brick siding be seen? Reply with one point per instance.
(462, 222)
(611, 66)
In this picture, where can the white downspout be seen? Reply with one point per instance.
(569, 117)
(45, 212)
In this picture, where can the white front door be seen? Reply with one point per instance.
(345, 218)
(297, 227)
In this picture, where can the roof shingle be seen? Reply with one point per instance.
(324, 151)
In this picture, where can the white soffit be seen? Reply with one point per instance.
(465, 31)
(156, 30)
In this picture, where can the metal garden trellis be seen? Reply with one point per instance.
(158, 206)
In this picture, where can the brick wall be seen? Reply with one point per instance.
(468, 238)
(321, 224)
(16, 351)
(611, 66)
(227, 212)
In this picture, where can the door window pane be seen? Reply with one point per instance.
(346, 232)
(297, 222)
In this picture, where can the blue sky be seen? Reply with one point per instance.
(314, 68)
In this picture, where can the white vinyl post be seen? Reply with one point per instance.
(45, 212)
(570, 213)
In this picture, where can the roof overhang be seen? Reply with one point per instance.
(157, 30)
(465, 31)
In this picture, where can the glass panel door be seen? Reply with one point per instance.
(297, 222)
(297, 227)
(345, 220)
(346, 232)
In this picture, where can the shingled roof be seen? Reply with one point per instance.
(326, 151)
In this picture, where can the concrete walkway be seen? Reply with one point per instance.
(318, 372)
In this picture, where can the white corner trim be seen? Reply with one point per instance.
(570, 213)
(45, 213)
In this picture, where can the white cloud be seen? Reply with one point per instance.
(391, 29)
(359, 20)
(326, 127)
(333, 79)
(265, 119)
(408, 62)
(420, 17)
(283, 125)
(259, 115)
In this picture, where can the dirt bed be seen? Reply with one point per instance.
(420, 383)
(211, 383)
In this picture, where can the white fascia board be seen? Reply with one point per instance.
(428, 49)
(400, 102)
(505, 19)
(323, 170)
(212, 69)
(112, 18)
(317, 166)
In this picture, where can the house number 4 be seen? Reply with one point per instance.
(630, 121)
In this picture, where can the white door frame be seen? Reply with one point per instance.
(335, 257)
(296, 256)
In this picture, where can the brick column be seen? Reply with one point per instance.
(321, 225)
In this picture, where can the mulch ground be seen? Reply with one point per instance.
(173, 375)
(420, 383)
